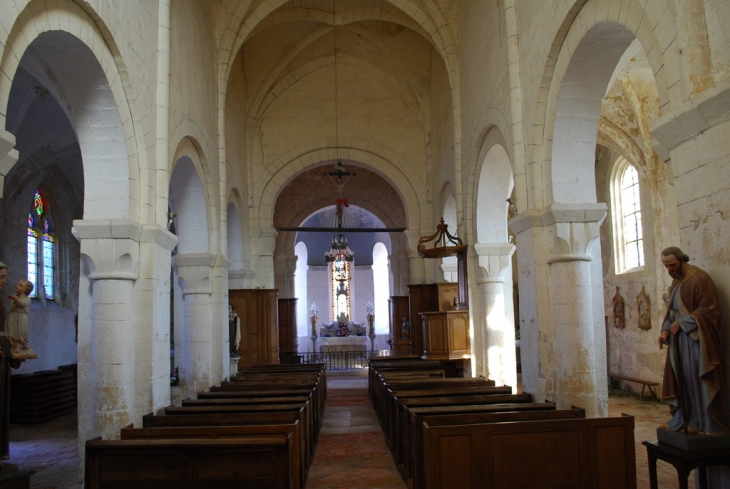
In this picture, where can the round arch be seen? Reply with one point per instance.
(586, 51)
(386, 163)
(190, 201)
(83, 61)
(494, 186)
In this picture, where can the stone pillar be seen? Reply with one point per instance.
(110, 258)
(399, 267)
(194, 342)
(417, 265)
(267, 243)
(563, 343)
(286, 268)
(574, 229)
(494, 326)
(152, 321)
(220, 350)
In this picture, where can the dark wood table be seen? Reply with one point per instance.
(684, 461)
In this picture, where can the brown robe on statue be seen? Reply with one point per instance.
(6, 363)
(699, 297)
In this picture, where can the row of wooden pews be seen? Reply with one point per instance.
(257, 431)
(468, 433)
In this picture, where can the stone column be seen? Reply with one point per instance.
(267, 243)
(494, 326)
(110, 258)
(220, 351)
(573, 229)
(152, 321)
(194, 342)
(417, 265)
(286, 268)
(561, 305)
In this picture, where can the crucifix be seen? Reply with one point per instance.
(340, 179)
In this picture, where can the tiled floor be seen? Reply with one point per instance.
(351, 452)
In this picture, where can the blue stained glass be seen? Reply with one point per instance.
(31, 221)
(33, 263)
(48, 270)
(47, 226)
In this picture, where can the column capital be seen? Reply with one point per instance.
(8, 156)
(574, 227)
(195, 271)
(267, 241)
(110, 247)
(154, 233)
(557, 213)
(492, 261)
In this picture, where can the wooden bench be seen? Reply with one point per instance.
(260, 462)
(413, 467)
(575, 453)
(395, 426)
(645, 383)
(221, 432)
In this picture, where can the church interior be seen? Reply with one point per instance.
(201, 187)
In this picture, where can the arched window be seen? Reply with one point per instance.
(340, 287)
(41, 249)
(628, 236)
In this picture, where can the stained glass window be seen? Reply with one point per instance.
(340, 287)
(628, 232)
(41, 244)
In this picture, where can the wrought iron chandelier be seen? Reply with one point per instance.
(339, 250)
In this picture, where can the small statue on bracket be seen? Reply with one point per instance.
(405, 329)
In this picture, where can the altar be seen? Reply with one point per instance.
(330, 344)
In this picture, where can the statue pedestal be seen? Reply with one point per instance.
(693, 442)
(234, 365)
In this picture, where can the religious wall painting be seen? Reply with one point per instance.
(644, 305)
(619, 311)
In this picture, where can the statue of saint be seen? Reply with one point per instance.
(693, 379)
(405, 329)
(234, 330)
(6, 363)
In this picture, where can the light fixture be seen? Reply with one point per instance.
(339, 250)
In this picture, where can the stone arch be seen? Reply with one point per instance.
(490, 136)
(93, 50)
(190, 201)
(407, 183)
(494, 186)
(589, 44)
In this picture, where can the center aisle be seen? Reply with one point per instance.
(351, 452)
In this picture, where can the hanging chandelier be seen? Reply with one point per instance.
(339, 250)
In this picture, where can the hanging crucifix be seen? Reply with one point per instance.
(340, 179)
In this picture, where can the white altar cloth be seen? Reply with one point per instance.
(342, 343)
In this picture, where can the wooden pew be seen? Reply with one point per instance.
(421, 384)
(221, 432)
(393, 396)
(413, 467)
(256, 388)
(260, 462)
(401, 404)
(575, 453)
(308, 434)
